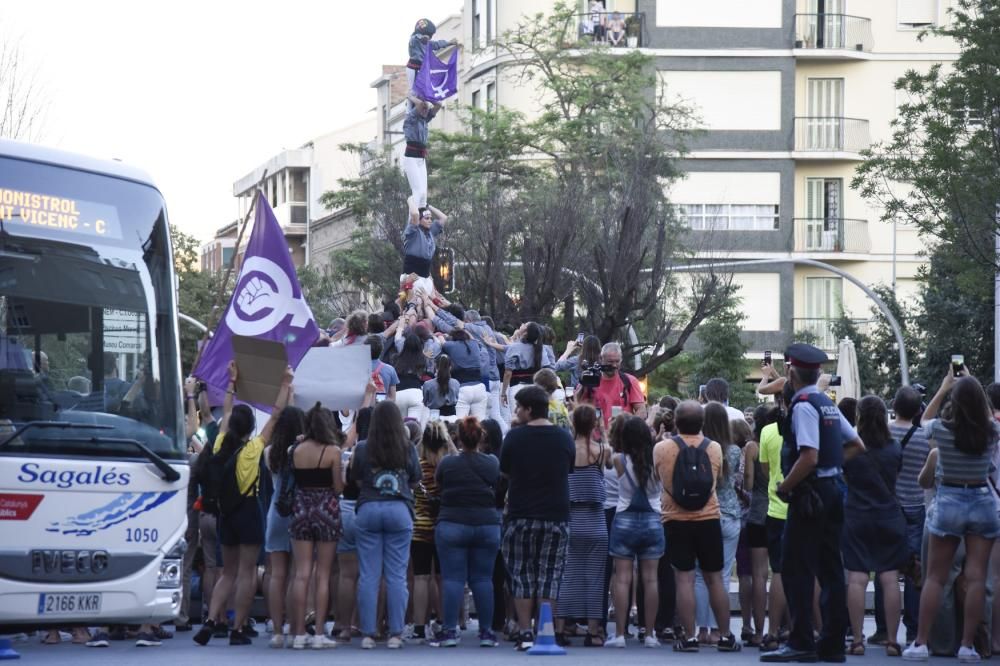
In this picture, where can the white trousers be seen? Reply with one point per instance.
(494, 408)
(411, 405)
(415, 169)
(472, 400)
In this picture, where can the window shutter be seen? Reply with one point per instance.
(917, 12)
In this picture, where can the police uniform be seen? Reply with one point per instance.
(811, 543)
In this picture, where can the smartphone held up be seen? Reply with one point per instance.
(957, 364)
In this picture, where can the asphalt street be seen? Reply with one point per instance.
(181, 651)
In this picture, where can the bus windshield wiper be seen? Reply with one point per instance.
(169, 473)
(52, 424)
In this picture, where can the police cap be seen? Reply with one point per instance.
(802, 355)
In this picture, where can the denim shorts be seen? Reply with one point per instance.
(349, 532)
(957, 512)
(637, 535)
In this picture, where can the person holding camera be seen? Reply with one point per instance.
(812, 455)
(609, 389)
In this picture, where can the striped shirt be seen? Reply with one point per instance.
(423, 521)
(908, 490)
(953, 465)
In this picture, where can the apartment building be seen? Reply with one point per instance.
(787, 93)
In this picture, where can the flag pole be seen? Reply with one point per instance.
(212, 316)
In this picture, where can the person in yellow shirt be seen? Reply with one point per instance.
(241, 530)
(777, 512)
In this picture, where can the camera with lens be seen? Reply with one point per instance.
(590, 376)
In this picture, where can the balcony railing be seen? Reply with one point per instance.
(831, 234)
(821, 330)
(614, 29)
(833, 31)
(831, 134)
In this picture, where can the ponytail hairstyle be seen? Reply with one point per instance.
(637, 444)
(240, 427)
(443, 373)
(318, 426)
(470, 433)
(534, 336)
(291, 423)
(435, 442)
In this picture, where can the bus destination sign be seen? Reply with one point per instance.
(54, 215)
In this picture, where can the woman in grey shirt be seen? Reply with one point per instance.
(965, 437)
(441, 393)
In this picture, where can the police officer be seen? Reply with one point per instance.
(815, 437)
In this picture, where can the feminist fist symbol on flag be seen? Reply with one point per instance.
(256, 296)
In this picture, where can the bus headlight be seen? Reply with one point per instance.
(172, 566)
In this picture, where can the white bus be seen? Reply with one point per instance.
(93, 467)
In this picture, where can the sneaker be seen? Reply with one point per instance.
(277, 641)
(667, 634)
(237, 637)
(162, 633)
(435, 627)
(615, 642)
(207, 631)
(650, 642)
(301, 642)
(408, 632)
(269, 626)
(100, 639)
(915, 652)
(446, 638)
(147, 639)
(686, 644)
(221, 630)
(367, 643)
(525, 641)
(418, 635)
(322, 642)
(250, 628)
(488, 639)
(729, 644)
(394, 642)
(967, 655)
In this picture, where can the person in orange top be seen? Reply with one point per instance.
(692, 522)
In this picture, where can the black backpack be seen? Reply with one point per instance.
(693, 477)
(221, 494)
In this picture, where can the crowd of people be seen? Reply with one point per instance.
(484, 476)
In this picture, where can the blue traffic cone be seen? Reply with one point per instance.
(7, 650)
(545, 639)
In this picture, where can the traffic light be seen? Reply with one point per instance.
(444, 270)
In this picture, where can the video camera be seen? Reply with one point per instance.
(590, 376)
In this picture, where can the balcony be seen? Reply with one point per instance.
(821, 330)
(831, 234)
(831, 137)
(614, 29)
(832, 35)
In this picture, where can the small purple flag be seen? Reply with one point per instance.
(267, 303)
(436, 81)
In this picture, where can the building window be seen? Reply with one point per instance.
(916, 14)
(491, 96)
(491, 21)
(729, 217)
(477, 11)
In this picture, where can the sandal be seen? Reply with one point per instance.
(51, 639)
(746, 635)
(769, 643)
(857, 648)
(593, 640)
(892, 649)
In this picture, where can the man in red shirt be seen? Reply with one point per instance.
(617, 389)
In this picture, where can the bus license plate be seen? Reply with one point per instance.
(69, 603)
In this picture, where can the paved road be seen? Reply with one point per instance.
(181, 651)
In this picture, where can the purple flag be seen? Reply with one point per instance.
(267, 303)
(436, 81)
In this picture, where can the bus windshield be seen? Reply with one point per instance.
(88, 346)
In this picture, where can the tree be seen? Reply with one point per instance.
(940, 172)
(722, 353)
(561, 216)
(196, 294)
(22, 100)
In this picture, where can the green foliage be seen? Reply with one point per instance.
(566, 208)
(940, 171)
(722, 354)
(944, 142)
